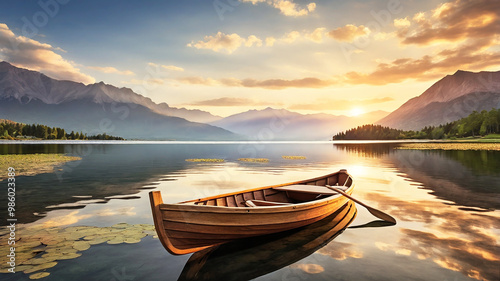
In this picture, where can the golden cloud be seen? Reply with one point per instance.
(453, 21)
(229, 43)
(332, 104)
(219, 42)
(457, 254)
(286, 7)
(340, 251)
(289, 8)
(31, 54)
(291, 37)
(146, 83)
(110, 69)
(472, 56)
(227, 101)
(167, 67)
(270, 41)
(252, 39)
(349, 32)
(469, 247)
(316, 35)
(402, 22)
(274, 84)
(469, 57)
(310, 268)
(196, 80)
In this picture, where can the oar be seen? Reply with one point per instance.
(379, 214)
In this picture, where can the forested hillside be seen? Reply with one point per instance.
(476, 124)
(13, 130)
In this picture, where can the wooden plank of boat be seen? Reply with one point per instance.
(271, 252)
(194, 225)
(314, 189)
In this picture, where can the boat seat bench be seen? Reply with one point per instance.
(261, 203)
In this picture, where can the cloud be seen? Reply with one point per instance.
(472, 56)
(110, 69)
(316, 35)
(28, 53)
(451, 22)
(472, 27)
(228, 43)
(227, 101)
(286, 7)
(167, 67)
(291, 37)
(196, 80)
(252, 39)
(340, 251)
(294, 36)
(309, 82)
(289, 8)
(334, 104)
(276, 84)
(348, 32)
(470, 248)
(146, 83)
(270, 41)
(468, 56)
(310, 268)
(402, 22)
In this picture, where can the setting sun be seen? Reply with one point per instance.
(356, 111)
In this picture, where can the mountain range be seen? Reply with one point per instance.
(449, 99)
(280, 124)
(31, 97)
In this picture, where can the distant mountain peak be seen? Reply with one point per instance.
(462, 72)
(449, 99)
(31, 97)
(28, 85)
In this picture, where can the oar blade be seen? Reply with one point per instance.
(381, 215)
(377, 213)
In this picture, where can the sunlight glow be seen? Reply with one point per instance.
(356, 111)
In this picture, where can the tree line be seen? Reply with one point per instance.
(476, 124)
(13, 130)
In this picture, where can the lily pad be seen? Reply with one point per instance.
(39, 275)
(116, 240)
(132, 240)
(20, 268)
(121, 225)
(99, 240)
(62, 256)
(6, 270)
(41, 267)
(81, 245)
(28, 244)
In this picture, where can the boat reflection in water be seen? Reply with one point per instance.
(250, 258)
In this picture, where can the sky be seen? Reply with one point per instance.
(230, 56)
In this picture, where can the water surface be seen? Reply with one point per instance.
(446, 203)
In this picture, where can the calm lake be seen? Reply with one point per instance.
(446, 202)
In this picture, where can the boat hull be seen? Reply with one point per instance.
(270, 252)
(190, 226)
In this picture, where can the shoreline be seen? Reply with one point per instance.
(478, 140)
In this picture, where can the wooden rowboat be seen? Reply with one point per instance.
(270, 252)
(194, 225)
